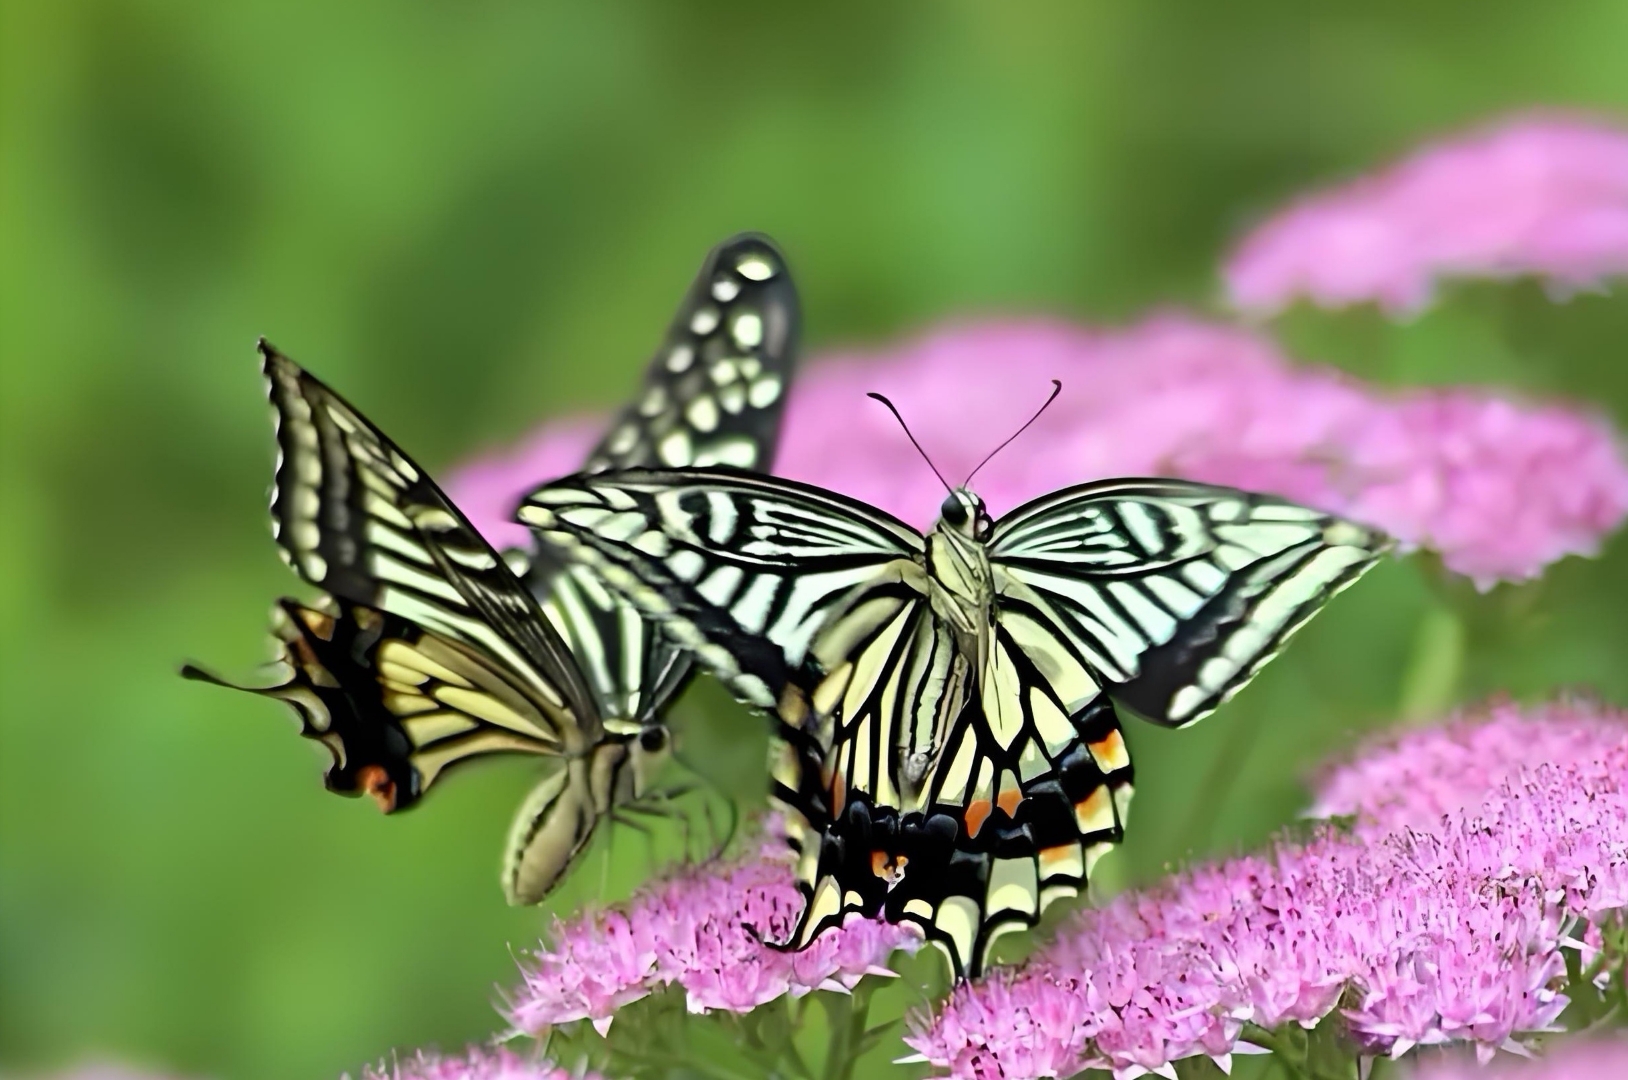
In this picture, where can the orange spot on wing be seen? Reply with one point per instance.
(976, 814)
(1009, 801)
(1110, 753)
(1094, 813)
(1053, 858)
(890, 868)
(377, 783)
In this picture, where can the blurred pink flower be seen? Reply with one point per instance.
(1499, 489)
(476, 1064)
(1571, 1059)
(1451, 935)
(1413, 778)
(1543, 194)
(704, 931)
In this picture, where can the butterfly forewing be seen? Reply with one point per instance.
(755, 564)
(1175, 593)
(357, 518)
(714, 392)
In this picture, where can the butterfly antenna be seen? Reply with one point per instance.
(895, 411)
(1056, 388)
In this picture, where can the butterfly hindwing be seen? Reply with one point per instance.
(394, 704)
(927, 809)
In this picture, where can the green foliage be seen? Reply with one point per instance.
(473, 216)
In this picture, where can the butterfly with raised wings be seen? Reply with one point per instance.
(429, 649)
(949, 749)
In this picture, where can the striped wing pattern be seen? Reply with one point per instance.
(713, 393)
(731, 556)
(428, 648)
(394, 704)
(462, 659)
(1174, 593)
(910, 801)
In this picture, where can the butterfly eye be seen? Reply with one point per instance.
(953, 511)
(653, 739)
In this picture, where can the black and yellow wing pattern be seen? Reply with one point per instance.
(428, 648)
(951, 755)
(425, 650)
(713, 393)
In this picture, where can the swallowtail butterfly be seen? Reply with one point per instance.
(949, 748)
(429, 648)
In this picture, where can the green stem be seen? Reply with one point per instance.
(1430, 681)
(1291, 1052)
(703, 1068)
(849, 1017)
(1218, 781)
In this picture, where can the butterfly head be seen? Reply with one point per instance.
(648, 752)
(963, 512)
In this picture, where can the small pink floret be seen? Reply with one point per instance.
(1451, 933)
(704, 931)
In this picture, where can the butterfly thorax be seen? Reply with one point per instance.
(960, 589)
(958, 570)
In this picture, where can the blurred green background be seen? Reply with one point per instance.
(473, 216)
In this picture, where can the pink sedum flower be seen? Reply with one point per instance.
(1571, 1059)
(704, 931)
(476, 1064)
(1543, 195)
(1499, 489)
(1409, 938)
(1414, 778)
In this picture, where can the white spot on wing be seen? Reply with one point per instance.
(747, 330)
(675, 448)
(705, 320)
(702, 414)
(764, 392)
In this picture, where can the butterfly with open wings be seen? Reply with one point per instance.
(430, 649)
(949, 749)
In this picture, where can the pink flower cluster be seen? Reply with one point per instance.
(474, 1065)
(1574, 1059)
(1543, 195)
(704, 931)
(1499, 489)
(1413, 778)
(1416, 938)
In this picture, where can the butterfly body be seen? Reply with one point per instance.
(950, 753)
